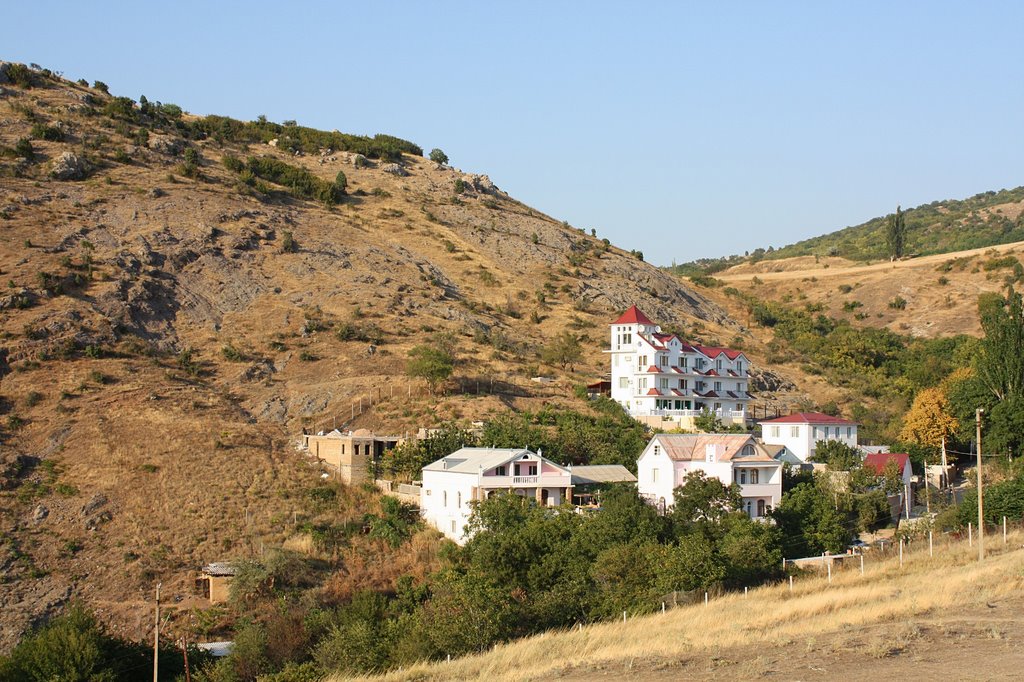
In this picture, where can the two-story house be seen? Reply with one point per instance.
(731, 458)
(468, 474)
(801, 431)
(666, 382)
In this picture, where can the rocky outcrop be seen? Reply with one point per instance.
(68, 166)
(394, 169)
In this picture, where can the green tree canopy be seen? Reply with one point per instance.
(431, 363)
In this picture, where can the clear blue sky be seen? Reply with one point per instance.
(683, 130)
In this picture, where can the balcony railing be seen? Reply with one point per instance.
(731, 414)
(542, 480)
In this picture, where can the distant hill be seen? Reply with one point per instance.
(986, 219)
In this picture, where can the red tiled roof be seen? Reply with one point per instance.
(634, 316)
(876, 461)
(715, 351)
(808, 418)
(654, 391)
(652, 368)
(711, 373)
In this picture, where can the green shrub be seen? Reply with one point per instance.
(850, 306)
(845, 288)
(999, 263)
(340, 183)
(101, 86)
(898, 303)
(232, 354)
(21, 75)
(23, 148)
(438, 156)
(41, 131)
(288, 243)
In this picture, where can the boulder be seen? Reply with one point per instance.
(40, 513)
(4, 67)
(394, 169)
(165, 144)
(68, 166)
(94, 503)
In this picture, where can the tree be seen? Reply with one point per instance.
(838, 455)
(430, 363)
(563, 350)
(810, 523)
(896, 235)
(340, 183)
(703, 499)
(999, 363)
(438, 156)
(928, 421)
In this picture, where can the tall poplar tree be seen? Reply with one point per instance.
(896, 235)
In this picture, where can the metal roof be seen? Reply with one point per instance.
(601, 473)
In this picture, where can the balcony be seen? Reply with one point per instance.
(541, 481)
(761, 490)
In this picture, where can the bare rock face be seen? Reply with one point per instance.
(394, 169)
(165, 144)
(4, 78)
(68, 166)
(767, 381)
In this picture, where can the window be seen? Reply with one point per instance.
(641, 362)
(458, 499)
(773, 431)
(616, 358)
(453, 525)
(739, 367)
(623, 382)
(531, 470)
(343, 448)
(747, 508)
(627, 338)
(628, 359)
(760, 508)
(743, 476)
(663, 360)
(849, 432)
(642, 382)
(654, 475)
(444, 498)
(794, 431)
(754, 475)
(663, 383)
(683, 362)
(500, 471)
(684, 384)
(739, 407)
(718, 407)
(718, 365)
(718, 385)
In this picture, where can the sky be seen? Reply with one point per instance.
(684, 130)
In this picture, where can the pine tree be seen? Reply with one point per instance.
(896, 235)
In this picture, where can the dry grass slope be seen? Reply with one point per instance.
(870, 616)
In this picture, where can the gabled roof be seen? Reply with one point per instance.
(877, 461)
(715, 351)
(808, 418)
(634, 316)
(654, 391)
(472, 460)
(601, 473)
(688, 447)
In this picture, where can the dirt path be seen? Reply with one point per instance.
(982, 643)
(839, 271)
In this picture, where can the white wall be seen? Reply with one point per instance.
(647, 484)
(802, 445)
(440, 501)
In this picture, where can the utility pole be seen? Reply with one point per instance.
(156, 637)
(981, 518)
(927, 497)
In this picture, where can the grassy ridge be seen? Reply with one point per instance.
(886, 593)
(939, 227)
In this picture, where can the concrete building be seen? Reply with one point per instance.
(666, 382)
(468, 474)
(731, 458)
(801, 431)
(351, 453)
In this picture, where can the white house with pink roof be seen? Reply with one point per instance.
(665, 381)
(451, 483)
(731, 458)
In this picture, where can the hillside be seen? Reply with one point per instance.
(987, 219)
(889, 623)
(169, 326)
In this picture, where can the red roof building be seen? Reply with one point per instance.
(634, 316)
(808, 418)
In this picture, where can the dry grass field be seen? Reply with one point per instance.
(949, 616)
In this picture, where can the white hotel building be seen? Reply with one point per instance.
(666, 382)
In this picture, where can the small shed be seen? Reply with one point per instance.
(587, 481)
(215, 581)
